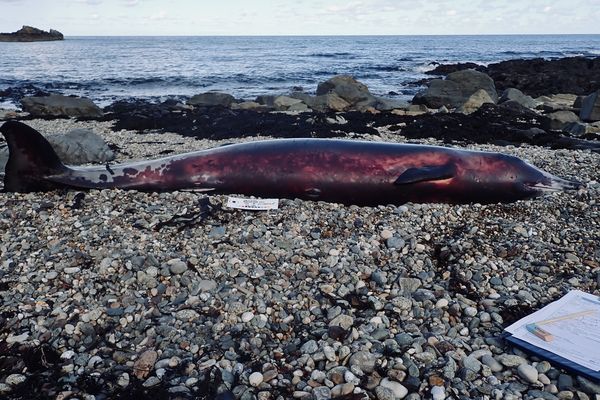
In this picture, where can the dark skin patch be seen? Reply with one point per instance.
(110, 171)
(103, 177)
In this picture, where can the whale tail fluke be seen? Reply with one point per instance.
(31, 159)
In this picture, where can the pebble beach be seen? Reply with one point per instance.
(101, 298)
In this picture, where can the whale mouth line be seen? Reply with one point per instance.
(546, 188)
(557, 186)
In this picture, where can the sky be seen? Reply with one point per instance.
(302, 17)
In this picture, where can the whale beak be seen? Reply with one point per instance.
(556, 184)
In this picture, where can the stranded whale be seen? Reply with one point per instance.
(342, 171)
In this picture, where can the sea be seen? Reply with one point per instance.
(107, 69)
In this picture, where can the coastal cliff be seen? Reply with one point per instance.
(31, 34)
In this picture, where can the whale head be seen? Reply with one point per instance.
(509, 176)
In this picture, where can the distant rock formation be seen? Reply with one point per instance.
(31, 34)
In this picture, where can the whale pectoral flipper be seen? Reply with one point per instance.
(426, 173)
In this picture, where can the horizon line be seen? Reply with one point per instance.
(334, 35)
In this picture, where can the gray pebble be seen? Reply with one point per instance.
(528, 372)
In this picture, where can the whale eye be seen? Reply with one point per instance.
(313, 193)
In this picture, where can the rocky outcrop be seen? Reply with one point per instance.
(31, 34)
(508, 123)
(445, 69)
(538, 76)
(590, 107)
(60, 106)
(456, 89)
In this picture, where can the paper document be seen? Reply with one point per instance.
(576, 339)
(252, 204)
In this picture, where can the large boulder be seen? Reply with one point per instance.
(385, 104)
(559, 119)
(211, 99)
(76, 147)
(513, 94)
(56, 105)
(557, 102)
(590, 107)
(249, 105)
(328, 102)
(456, 89)
(539, 76)
(349, 89)
(283, 103)
(474, 102)
(81, 146)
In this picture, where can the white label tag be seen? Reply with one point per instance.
(252, 204)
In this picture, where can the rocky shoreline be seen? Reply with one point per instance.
(116, 294)
(31, 34)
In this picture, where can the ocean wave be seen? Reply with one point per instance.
(421, 69)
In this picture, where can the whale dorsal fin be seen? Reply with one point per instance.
(426, 173)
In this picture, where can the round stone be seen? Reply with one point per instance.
(386, 234)
(470, 311)
(511, 360)
(255, 379)
(438, 393)
(396, 388)
(364, 360)
(528, 372)
(247, 316)
(491, 362)
(177, 267)
(441, 303)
